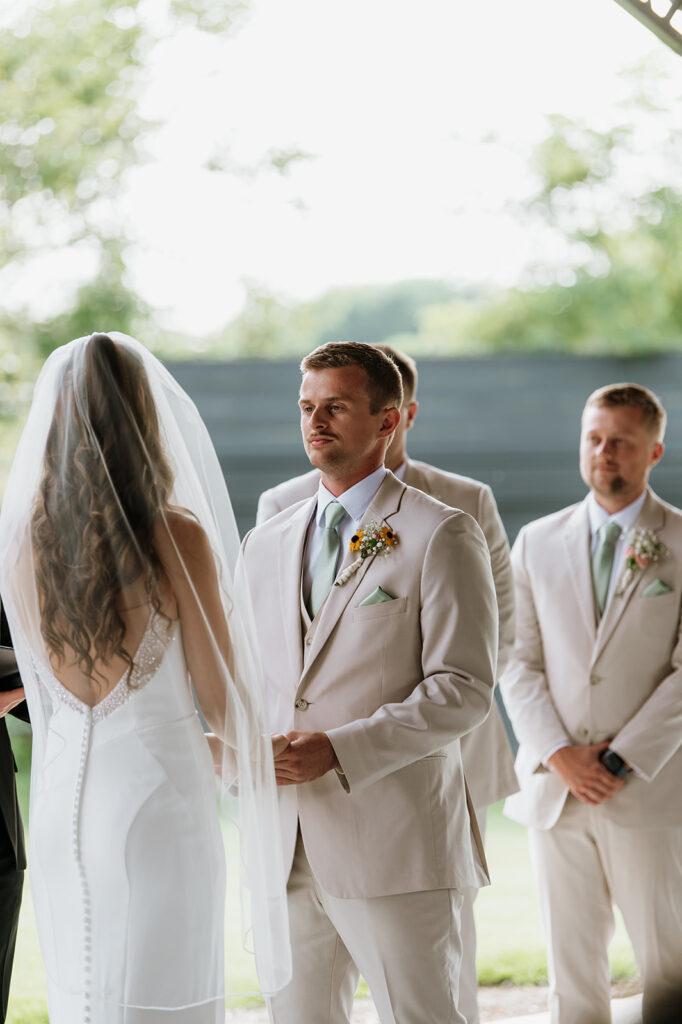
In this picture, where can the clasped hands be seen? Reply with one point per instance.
(580, 769)
(302, 757)
(299, 756)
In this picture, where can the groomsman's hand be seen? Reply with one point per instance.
(580, 769)
(309, 756)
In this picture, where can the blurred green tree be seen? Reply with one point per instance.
(611, 202)
(272, 325)
(605, 216)
(71, 76)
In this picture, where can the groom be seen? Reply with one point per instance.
(486, 753)
(376, 664)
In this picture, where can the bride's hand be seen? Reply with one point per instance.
(217, 748)
(279, 744)
(10, 698)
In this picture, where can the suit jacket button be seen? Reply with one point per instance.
(594, 680)
(301, 704)
(308, 641)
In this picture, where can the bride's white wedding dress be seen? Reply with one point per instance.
(126, 855)
(126, 850)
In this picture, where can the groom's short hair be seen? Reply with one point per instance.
(384, 385)
(632, 396)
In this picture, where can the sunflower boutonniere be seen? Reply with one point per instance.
(371, 539)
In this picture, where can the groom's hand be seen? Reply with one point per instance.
(309, 756)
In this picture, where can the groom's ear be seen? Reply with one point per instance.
(390, 421)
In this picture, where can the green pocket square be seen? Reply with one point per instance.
(656, 588)
(376, 597)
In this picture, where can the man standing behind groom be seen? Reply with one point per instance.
(486, 753)
(594, 691)
(378, 626)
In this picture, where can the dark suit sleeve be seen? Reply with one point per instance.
(21, 710)
(5, 637)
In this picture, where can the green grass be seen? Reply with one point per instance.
(510, 941)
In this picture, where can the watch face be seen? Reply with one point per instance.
(612, 762)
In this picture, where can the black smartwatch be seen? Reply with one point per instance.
(614, 763)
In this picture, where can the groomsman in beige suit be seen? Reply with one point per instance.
(594, 691)
(375, 667)
(486, 753)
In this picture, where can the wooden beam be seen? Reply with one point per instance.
(659, 24)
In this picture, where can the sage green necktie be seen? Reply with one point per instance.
(602, 561)
(325, 570)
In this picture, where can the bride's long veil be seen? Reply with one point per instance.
(198, 488)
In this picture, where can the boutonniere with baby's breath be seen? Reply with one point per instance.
(643, 549)
(371, 539)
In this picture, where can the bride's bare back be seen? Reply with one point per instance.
(189, 591)
(135, 610)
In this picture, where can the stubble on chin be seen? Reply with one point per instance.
(315, 457)
(332, 466)
(322, 459)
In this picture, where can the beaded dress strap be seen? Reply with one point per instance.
(155, 641)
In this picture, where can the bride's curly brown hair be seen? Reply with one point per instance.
(105, 484)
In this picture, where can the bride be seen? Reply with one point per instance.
(116, 545)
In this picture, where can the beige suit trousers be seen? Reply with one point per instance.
(406, 946)
(583, 865)
(468, 978)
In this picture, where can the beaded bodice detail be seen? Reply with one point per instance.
(155, 641)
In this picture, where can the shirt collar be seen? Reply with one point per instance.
(625, 517)
(355, 500)
(400, 471)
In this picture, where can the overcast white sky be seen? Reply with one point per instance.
(391, 99)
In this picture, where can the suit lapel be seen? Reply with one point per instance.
(383, 506)
(576, 539)
(290, 567)
(652, 517)
(414, 477)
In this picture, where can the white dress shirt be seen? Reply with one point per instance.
(356, 501)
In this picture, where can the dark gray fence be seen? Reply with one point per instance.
(511, 421)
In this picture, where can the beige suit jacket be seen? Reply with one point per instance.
(394, 685)
(486, 753)
(572, 679)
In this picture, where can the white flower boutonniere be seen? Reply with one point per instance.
(643, 549)
(371, 539)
